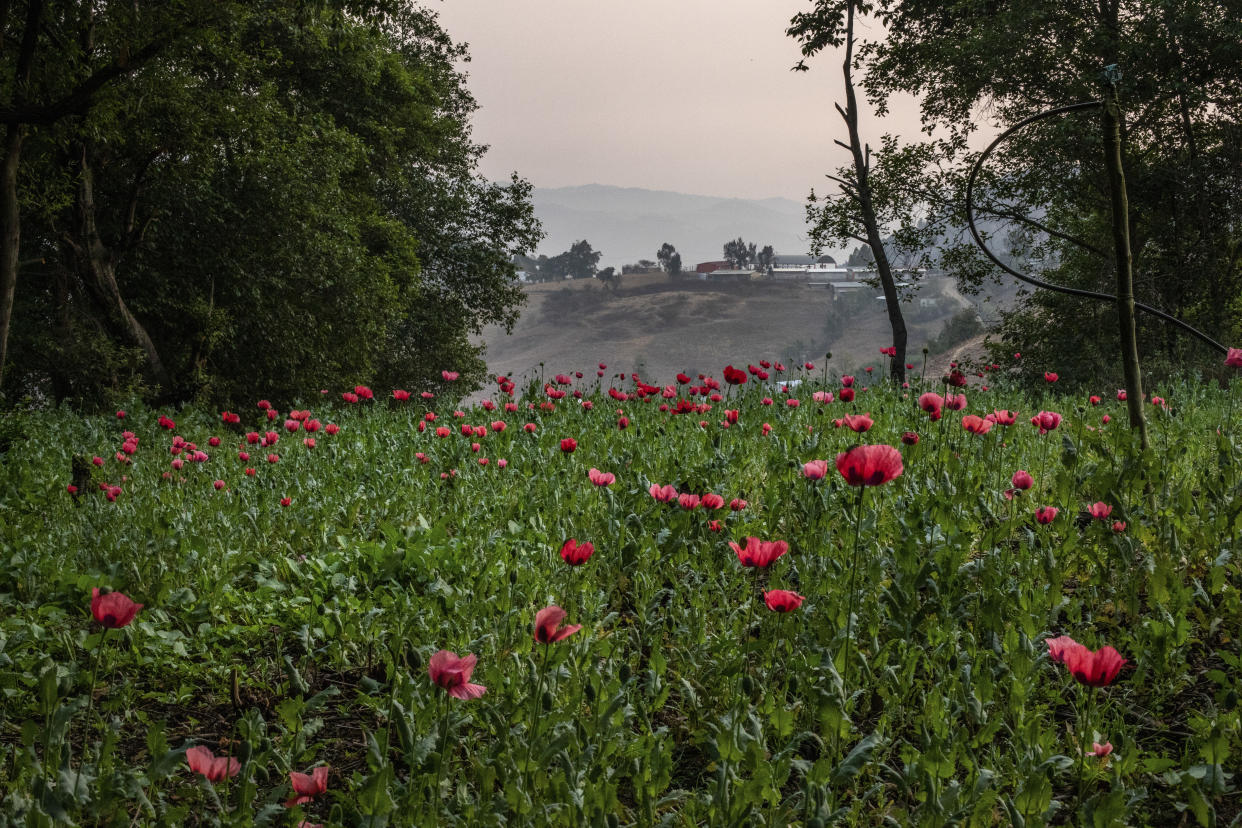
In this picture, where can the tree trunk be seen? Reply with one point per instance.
(10, 236)
(867, 208)
(1111, 128)
(98, 268)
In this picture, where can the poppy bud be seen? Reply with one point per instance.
(614, 821)
(589, 692)
(513, 576)
(748, 685)
(547, 700)
(624, 673)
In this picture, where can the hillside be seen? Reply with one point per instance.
(660, 327)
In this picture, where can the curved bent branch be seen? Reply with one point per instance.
(1090, 294)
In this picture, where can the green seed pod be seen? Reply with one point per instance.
(547, 700)
(1230, 700)
(245, 750)
(614, 821)
(512, 576)
(748, 685)
(405, 735)
(415, 660)
(589, 692)
(296, 683)
(625, 673)
(793, 684)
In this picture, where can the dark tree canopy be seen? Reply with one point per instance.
(284, 197)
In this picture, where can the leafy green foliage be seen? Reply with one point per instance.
(290, 200)
(294, 636)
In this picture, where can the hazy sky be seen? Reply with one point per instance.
(695, 96)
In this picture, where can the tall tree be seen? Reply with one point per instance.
(1179, 123)
(739, 254)
(69, 53)
(250, 182)
(765, 256)
(833, 25)
(669, 259)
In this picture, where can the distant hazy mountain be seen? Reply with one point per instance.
(627, 224)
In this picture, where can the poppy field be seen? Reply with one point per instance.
(606, 600)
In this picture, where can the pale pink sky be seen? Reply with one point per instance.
(695, 96)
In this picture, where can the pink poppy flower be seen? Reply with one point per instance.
(815, 469)
(1101, 510)
(1046, 514)
(307, 786)
(452, 673)
(664, 494)
(600, 478)
(711, 501)
(548, 629)
(688, 501)
(857, 422)
(1094, 668)
(211, 767)
(1022, 480)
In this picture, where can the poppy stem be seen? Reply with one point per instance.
(534, 719)
(90, 704)
(849, 615)
(444, 732)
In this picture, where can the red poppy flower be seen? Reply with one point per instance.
(857, 422)
(737, 504)
(759, 553)
(976, 425)
(730, 415)
(955, 402)
(1094, 399)
(1022, 480)
(568, 445)
(1004, 417)
(711, 501)
(548, 629)
(734, 376)
(1094, 668)
(847, 381)
(112, 610)
(219, 484)
(1050, 377)
(869, 465)
(623, 423)
(400, 395)
(815, 469)
(688, 501)
(452, 673)
(576, 554)
(1119, 526)
(931, 402)
(213, 768)
(307, 786)
(847, 395)
(600, 478)
(1046, 514)
(909, 438)
(782, 600)
(1234, 358)
(891, 351)
(449, 376)
(955, 378)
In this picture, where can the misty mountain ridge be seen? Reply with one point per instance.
(630, 223)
